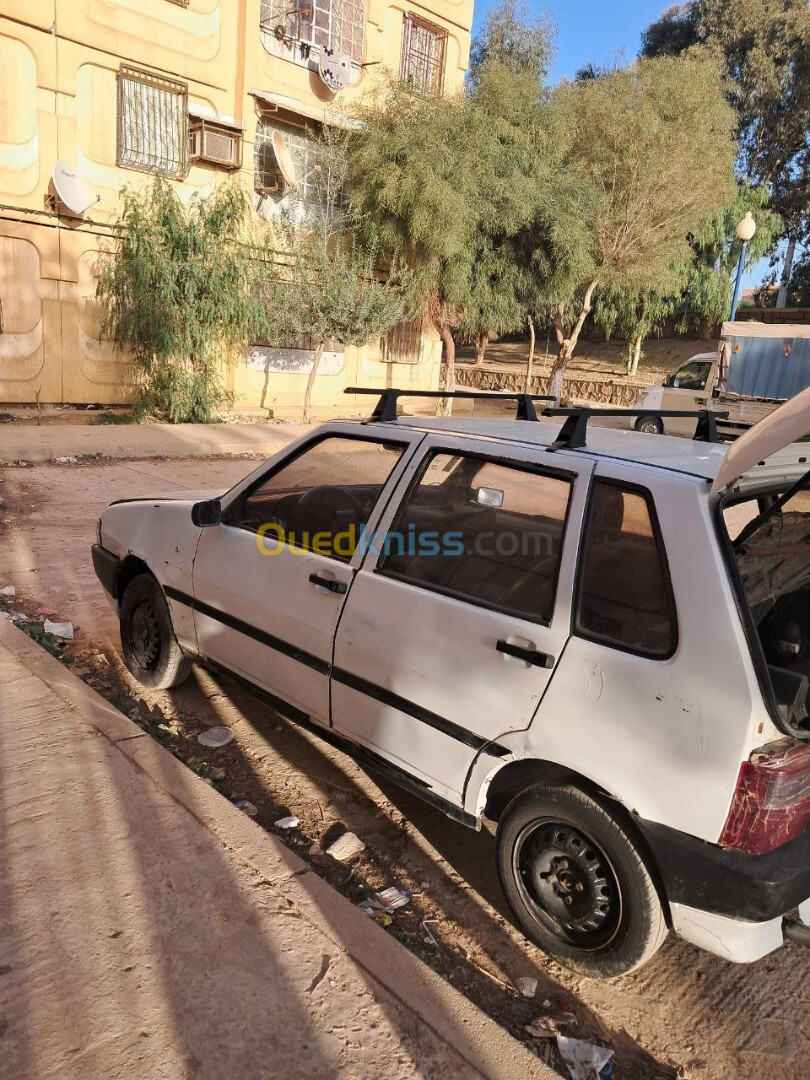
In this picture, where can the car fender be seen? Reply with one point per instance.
(160, 534)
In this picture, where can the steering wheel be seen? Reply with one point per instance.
(331, 500)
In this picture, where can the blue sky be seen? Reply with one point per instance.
(602, 31)
(598, 30)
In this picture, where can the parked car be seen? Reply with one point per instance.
(601, 643)
(756, 367)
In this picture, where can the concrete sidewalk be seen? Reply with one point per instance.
(39, 444)
(150, 929)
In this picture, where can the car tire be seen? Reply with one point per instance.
(650, 425)
(578, 882)
(150, 648)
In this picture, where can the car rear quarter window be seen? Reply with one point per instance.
(483, 531)
(625, 594)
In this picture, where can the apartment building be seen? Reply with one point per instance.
(99, 94)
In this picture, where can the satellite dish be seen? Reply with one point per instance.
(335, 69)
(284, 159)
(71, 189)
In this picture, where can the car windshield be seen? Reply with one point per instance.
(771, 539)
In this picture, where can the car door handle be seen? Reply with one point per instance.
(328, 583)
(530, 656)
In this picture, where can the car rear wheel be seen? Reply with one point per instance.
(578, 883)
(150, 648)
(650, 425)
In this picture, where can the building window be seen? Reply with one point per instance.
(424, 47)
(310, 193)
(403, 343)
(326, 24)
(152, 123)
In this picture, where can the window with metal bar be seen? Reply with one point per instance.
(424, 48)
(403, 343)
(310, 194)
(152, 122)
(327, 24)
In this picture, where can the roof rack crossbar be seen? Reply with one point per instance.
(386, 408)
(573, 434)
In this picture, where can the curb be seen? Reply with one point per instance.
(488, 1048)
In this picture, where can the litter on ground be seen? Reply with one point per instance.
(584, 1060)
(215, 736)
(63, 630)
(291, 822)
(346, 847)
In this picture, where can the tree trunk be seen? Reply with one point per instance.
(446, 404)
(530, 360)
(566, 345)
(634, 355)
(439, 316)
(787, 270)
(311, 380)
(481, 342)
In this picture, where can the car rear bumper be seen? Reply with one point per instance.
(107, 567)
(717, 880)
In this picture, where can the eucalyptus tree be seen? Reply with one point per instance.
(178, 295)
(328, 281)
(764, 46)
(652, 147)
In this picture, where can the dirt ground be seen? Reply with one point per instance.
(687, 1014)
(594, 359)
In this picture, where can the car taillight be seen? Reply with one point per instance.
(771, 803)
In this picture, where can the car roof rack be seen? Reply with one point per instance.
(573, 434)
(386, 408)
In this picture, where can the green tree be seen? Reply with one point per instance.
(709, 283)
(178, 294)
(765, 48)
(634, 317)
(652, 144)
(326, 284)
(435, 177)
(508, 75)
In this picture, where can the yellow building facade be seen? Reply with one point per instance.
(99, 94)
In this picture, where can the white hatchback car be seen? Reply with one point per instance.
(598, 638)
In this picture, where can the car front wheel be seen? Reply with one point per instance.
(150, 648)
(577, 882)
(650, 425)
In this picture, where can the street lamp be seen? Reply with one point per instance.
(745, 231)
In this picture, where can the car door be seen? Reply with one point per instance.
(271, 579)
(690, 387)
(459, 615)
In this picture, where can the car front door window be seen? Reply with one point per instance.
(322, 500)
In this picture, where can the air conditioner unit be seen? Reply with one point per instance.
(215, 144)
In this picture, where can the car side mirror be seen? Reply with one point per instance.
(206, 513)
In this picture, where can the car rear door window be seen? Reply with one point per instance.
(322, 499)
(484, 531)
(625, 595)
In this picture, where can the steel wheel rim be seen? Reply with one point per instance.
(144, 635)
(568, 884)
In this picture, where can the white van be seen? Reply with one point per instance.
(756, 368)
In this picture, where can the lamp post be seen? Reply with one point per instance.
(745, 231)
